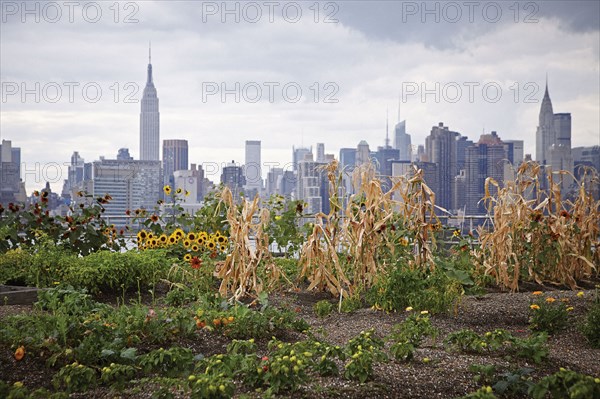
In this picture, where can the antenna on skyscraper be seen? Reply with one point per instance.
(149, 52)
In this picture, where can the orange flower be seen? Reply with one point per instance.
(550, 299)
(217, 322)
(195, 262)
(537, 293)
(20, 353)
(534, 307)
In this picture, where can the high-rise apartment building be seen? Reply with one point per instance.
(175, 157)
(484, 159)
(131, 184)
(440, 147)
(149, 120)
(253, 168)
(11, 186)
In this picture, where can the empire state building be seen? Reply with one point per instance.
(149, 120)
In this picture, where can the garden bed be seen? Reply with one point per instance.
(433, 372)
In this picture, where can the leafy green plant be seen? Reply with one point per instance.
(211, 386)
(119, 271)
(402, 287)
(283, 229)
(514, 382)
(484, 373)
(323, 308)
(362, 351)
(482, 393)
(172, 362)
(75, 377)
(548, 314)
(408, 335)
(590, 328)
(533, 347)
(117, 375)
(566, 384)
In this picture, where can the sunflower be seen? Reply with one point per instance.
(195, 248)
(172, 239)
(223, 248)
(191, 236)
(142, 235)
(210, 244)
(154, 242)
(200, 241)
(179, 233)
(178, 191)
(167, 189)
(221, 239)
(186, 243)
(163, 238)
(187, 257)
(154, 218)
(150, 236)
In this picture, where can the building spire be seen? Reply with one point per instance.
(149, 81)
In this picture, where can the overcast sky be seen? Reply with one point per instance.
(486, 62)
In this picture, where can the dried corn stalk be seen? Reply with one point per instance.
(319, 259)
(239, 270)
(546, 238)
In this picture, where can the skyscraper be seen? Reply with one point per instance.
(484, 159)
(175, 157)
(252, 168)
(11, 186)
(149, 120)
(402, 140)
(131, 184)
(553, 140)
(440, 146)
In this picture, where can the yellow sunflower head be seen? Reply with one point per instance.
(187, 257)
(167, 189)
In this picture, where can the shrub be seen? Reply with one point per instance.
(403, 287)
(591, 326)
(567, 384)
(323, 308)
(118, 271)
(547, 314)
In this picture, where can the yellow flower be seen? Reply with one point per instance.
(162, 238)
(187, 193)
(580, 294)
(187, 257)
(537, 293)
(195, 248)
(18, 384)
(186, 243)
(456, 233)
(172, 239)
(424, 312)
(178, 191)
(179, 233)
(570, 308)
(403, 242)
(167, 189)
(277, 217)
(534, 307)
(191, 236)
(550, 299)
(409, 309)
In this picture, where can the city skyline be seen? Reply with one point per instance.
(561, 43)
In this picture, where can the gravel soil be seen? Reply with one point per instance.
(433, 373)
